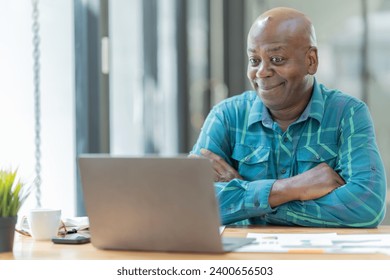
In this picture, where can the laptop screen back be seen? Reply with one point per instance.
(151, 203)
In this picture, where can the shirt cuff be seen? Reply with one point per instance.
(256, 198)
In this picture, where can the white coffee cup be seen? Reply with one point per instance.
(44, 223)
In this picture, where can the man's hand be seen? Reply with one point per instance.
(312, 184)
(223, 172)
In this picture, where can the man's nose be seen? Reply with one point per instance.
(264, 70)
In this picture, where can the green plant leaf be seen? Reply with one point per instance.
(12, 193)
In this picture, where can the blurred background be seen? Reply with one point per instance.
(133, 77)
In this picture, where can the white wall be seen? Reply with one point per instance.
(57, 99)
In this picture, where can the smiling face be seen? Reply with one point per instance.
(282, 58)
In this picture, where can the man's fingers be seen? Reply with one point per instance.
(194, 156)
(223, 171)
(340, 181)
(216, 160)
(208, 154)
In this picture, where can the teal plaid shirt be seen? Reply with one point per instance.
(334, 128)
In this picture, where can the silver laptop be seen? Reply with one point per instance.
(153, 204)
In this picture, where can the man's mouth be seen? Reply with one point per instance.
(263, 87)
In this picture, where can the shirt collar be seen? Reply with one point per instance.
(314, 109)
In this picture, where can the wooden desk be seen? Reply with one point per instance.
(25, 248)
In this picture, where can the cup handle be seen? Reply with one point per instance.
(23, 226)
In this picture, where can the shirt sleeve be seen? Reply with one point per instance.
(214, 136)
(240, 200)
(361, 201)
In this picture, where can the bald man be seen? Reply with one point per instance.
(292, 152)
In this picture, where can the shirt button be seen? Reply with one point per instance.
(318, 157)
(285, 139)
(283, 171)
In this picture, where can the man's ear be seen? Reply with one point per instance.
(312, 60)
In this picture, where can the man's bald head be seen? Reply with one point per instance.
(282, 59)
(286, 22)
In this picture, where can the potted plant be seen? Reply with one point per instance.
(12, 195)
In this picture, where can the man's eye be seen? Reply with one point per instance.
(277, 60)
(254, 61)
